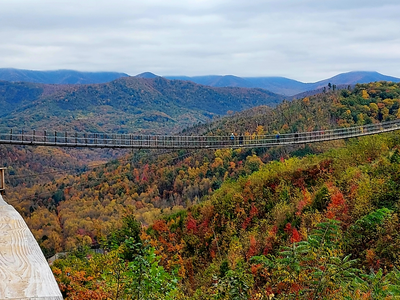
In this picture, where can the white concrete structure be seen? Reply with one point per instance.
(24, 271)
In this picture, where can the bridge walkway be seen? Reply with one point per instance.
(103, 140)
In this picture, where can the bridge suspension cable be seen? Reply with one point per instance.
(103, 140)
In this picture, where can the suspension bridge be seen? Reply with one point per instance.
(103, 140)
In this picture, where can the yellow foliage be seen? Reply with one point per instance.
(360, 118)
(374, 108)
(364, 94)
(260, 130)
(388, 102)
(281, 211)
(217, 162)
(223, 153)
(307, 196)
(234, 252)
(385, 111)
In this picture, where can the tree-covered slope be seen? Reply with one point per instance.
(129, 104)
(237, 224)
(363, 104)
(302, 228)
(14, 95)
(151, 182)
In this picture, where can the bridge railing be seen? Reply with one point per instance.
(103, 140)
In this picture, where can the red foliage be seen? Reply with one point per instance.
(295, 238)
(293, 233)
(267, 248)
(305, 201)
(253, 247)
(295, 288)
(300, 206)
(246, 223)
(205, 224)
(337, 208)
(326, 166)
(191, 225)
(270, 240)
(253, 213)
(255, 268)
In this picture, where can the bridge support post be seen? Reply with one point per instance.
(2, 181)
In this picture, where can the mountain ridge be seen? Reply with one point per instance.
(58, 76)
(286, 86)
(278, 85)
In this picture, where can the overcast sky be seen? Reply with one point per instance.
(306, 40)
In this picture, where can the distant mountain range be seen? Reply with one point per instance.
(285, 86)
(129, 104)
(58, 76)
(277, 85)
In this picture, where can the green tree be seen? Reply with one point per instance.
(146, 279)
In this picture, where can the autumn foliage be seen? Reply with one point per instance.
(321, 223)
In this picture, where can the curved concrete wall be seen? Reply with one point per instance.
(24, 271)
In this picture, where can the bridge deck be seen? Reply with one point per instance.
(103, 140)
(24, 272)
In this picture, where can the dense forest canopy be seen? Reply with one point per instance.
(306, 222)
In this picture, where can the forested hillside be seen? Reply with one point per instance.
(306, 222)
(364, 104)
(125, 105)
(324, 225)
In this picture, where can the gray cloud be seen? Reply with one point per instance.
(306, 40)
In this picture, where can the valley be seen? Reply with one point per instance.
(214, 222)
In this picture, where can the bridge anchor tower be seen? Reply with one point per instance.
(2, 181)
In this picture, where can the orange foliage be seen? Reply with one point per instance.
(252, 249)
(295, 237)
(160, 226)
(337, 208)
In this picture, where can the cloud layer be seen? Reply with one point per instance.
(305, 40)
